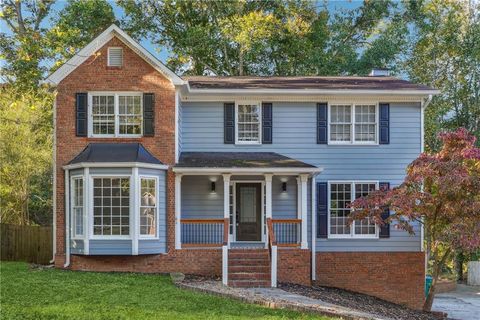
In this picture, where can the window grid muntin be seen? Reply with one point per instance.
(148, 206)
(103, 114)
(248, 123)
(77, 207)
(365, 123)
(341, 128)
(106, 200)
(129, 115)
(355, 192)
(127, 120)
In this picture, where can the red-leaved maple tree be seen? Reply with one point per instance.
(441, 191)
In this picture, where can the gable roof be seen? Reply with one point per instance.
(100, 41)
(350, 83)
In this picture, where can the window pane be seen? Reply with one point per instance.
(248, 123)
(148, 206)
(111, 206)
(364, 226)
(340, 122)
(365, 123)
(340, 198)
(130, 115)
(103, 116)
(77, 206)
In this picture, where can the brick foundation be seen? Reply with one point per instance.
(206, 262)
(393, 276)
(294, 266)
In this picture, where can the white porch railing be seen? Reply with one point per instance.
(287, 232)
(204, 232)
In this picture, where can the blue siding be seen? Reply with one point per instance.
(294, 135)
(110, 247)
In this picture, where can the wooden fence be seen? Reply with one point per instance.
(25, 243)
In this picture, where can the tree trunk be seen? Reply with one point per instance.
(459, 265)
(437, 268)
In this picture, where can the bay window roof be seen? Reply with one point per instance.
(116, 153)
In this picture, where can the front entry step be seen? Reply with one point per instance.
(249, 268)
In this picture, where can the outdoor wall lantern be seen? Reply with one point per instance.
(284, 187)
(213, 186)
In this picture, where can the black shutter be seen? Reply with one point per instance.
(322, 123)
(148, 114)
(385, 228)
(81, 123)
(267, 121)
(322, 210)
(229, 123)
(384, 123)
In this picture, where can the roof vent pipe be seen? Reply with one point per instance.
(379, 72)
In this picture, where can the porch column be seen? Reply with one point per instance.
(226, 200)
(178, 209)
(268, 195)
(299, 198)
(304, 180)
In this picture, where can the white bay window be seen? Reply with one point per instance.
(341, 194)
(353, 124)
(148, 206)
(77, 207)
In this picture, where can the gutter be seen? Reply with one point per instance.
(67, 219)
(54, 191)
(312, 91)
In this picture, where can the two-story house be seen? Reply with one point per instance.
(247, 178)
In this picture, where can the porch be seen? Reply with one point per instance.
(242, 201)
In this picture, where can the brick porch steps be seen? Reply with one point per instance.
(248, 268)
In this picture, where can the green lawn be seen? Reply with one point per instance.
(55, 294)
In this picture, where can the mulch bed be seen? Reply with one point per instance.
(358, 301)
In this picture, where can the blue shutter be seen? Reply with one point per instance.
(81, 121)
(384, 123)
(322, 210)
(148, 114)
(385, 229)
(229, 123)
(267, 121)
(322, 123)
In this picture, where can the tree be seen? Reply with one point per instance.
(273, 37)
(442, 192)
(445, 54)
(26, 134)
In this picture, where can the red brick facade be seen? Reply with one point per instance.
(94, 75)
(394, 276)
(397, 277)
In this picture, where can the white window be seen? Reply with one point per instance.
(77, 207)
(341, 195)
(111, 206)
(353, 124)
(115, 57)
(115, 114)
(249, 117)
(148, 207)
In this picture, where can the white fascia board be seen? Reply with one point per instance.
(115, 165)
(100, 41)
(286, 170)
(314, 91)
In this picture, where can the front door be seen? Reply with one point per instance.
(249, 211)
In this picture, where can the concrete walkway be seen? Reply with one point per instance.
(461, 304)
(278, 298)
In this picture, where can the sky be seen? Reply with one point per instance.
(162, 53)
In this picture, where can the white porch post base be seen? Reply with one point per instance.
(225, 265)
(274, 267)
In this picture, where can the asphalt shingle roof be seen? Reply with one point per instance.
(115, 152)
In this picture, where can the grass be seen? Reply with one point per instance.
(27, 293)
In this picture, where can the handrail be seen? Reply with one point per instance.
(200, 221)
(286, 220)
(271, 233)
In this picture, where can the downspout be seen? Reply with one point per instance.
(54, 191)
(67, 220)
(314, 229)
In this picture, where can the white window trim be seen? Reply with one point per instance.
(74, 234)
(352, 235)
(260, 129)
(108, 57)
(139, 205)
(116, 94)
(352, 124)
(131, 209)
